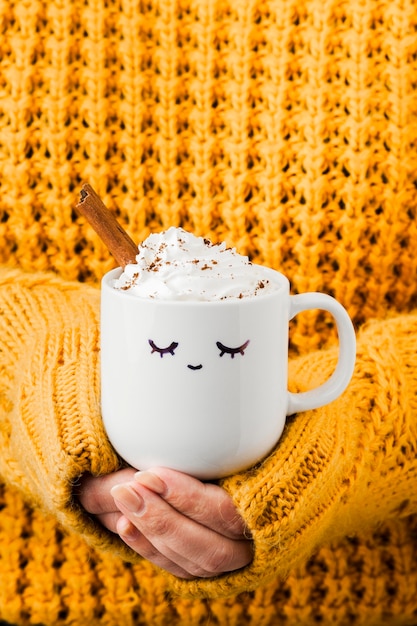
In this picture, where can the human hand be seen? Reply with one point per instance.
(189, 528)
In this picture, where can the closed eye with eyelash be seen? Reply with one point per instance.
(232, 351)
(168, 350)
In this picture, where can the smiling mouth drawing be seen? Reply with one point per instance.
(195, 367)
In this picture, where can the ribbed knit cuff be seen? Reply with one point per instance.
(51, 428)
(336, 471)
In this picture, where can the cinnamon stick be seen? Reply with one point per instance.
(122, 247)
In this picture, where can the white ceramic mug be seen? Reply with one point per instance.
(202, 386)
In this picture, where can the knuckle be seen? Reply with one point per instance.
(237, 525)
(219, 560)
(159, 525)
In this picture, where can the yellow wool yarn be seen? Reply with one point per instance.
(288, 129)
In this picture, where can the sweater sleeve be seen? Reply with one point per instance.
(51, 431)
(337, 471)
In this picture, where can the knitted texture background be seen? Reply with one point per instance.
(287, 128)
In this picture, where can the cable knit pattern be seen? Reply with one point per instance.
(288, 129)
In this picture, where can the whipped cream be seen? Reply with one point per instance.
(176, 265)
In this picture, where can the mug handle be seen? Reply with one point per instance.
(339, 380)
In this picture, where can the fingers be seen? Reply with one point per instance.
(94, 492)
(188, 528)
(138, 542)
(170, 539)
(205, 503)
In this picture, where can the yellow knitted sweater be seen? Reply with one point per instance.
(287, 128)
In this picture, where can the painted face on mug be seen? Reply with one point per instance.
(174, 346)
(200, 348)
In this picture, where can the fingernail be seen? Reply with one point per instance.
(151, 481)
(128, 498)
